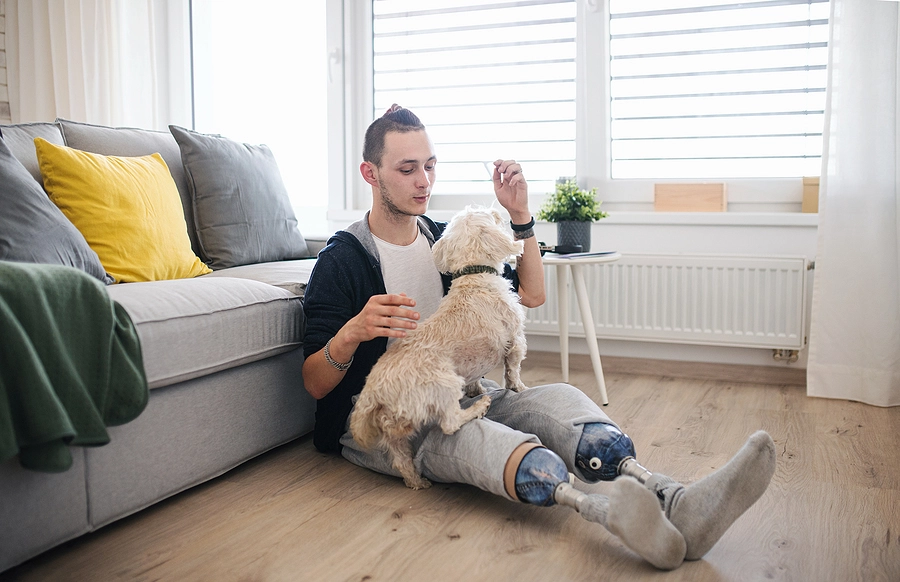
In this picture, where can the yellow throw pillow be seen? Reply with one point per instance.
(128, 210)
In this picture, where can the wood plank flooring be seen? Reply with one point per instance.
(832, 512)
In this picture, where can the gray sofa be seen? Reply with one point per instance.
(222, 357)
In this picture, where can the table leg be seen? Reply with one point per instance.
(562, 296)
(587, 319)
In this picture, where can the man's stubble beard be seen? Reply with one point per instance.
(390, 208)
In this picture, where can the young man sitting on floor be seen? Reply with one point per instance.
(376, 279)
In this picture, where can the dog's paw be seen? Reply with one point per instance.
(482, 405)
(449, 428)
(518, 387)
(417, 483)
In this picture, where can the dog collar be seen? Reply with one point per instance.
(474, 270)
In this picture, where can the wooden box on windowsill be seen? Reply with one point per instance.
(705, 197)
(810, 195)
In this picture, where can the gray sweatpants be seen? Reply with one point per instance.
(551, 415)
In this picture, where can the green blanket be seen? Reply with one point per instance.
(70, 364)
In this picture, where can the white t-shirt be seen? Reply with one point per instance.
(410, 269)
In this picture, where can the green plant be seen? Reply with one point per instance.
(571, 203)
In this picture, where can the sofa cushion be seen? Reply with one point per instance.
(132, 142)
(241, 206)
(193, 327)
(126, 208)
(33, 229)
(20, 139)
(290, 275)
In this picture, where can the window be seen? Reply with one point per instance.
(260, 77)
(619, 93)
(704, 89)
(489, 79)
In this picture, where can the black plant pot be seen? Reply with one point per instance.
(574, 232)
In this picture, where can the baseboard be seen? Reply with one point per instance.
(643, 350)
(679, 369)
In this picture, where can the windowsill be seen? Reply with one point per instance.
(714, 218)
(622, 217)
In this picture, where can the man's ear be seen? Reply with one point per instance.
(369, 173)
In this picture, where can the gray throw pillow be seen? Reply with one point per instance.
(20, 140)
(33, 229)
(241, 206)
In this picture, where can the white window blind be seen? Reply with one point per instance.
(489, 79)
(706, 89)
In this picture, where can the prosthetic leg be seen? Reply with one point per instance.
(703, 511)
(631, 512)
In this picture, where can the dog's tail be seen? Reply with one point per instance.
(364, 421)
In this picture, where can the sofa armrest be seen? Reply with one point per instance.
(316, 244)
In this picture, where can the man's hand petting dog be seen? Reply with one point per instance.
(384, 316)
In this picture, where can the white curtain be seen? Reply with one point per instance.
(854, 350)
(110, 62)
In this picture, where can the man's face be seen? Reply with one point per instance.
(406, 173)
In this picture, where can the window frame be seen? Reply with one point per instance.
(351, 94)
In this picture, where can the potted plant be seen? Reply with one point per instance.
(573, 210)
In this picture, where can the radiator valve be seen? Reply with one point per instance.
(789, 356)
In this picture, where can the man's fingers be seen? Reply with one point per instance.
(392, 310)
(394, 324)
(402, 322)
(509, 169)
(402, 312)
(393, 299)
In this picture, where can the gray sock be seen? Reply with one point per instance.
(702, 512)
(632, 513)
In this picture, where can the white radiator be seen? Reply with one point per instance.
(719, 300)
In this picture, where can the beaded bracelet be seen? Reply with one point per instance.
(336, 365)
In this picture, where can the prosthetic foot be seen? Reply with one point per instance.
(703, 511)
(631, 512)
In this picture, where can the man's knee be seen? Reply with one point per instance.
(600, 451)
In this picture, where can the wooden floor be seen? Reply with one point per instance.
(832, 512)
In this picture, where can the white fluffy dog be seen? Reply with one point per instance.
(478, 324)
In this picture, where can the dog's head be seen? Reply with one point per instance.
(475, 236)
